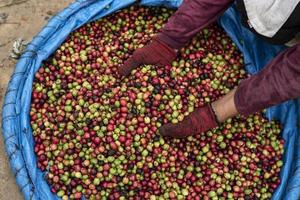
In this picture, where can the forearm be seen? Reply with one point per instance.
(279, 81)
(189, 19)
(224, 108)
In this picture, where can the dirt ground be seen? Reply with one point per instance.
(18, 19)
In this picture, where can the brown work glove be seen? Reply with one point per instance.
(199, 121)
(155, 53)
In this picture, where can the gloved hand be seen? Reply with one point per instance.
(199, 121)
(156, 53)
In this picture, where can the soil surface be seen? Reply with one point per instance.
(18, 19)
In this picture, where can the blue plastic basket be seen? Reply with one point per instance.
(15, 116)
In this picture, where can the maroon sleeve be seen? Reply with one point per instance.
(279, 81)
(189, 19)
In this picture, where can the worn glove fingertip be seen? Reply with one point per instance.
(164, 130)
(121, 70)
(129, 65)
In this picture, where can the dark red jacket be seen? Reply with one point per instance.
(277, 82)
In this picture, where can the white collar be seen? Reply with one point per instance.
(268, 16)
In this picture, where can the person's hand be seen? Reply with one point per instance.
(199, 121)
(155, 53)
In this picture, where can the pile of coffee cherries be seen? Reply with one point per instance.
(96, 133)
